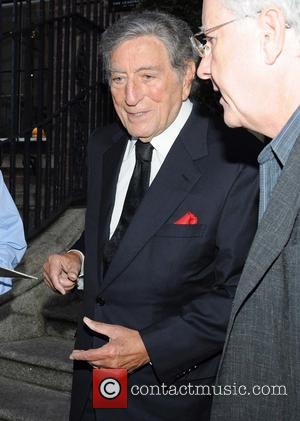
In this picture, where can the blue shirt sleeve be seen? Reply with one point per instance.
(12, 240)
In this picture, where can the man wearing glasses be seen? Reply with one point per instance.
(251, 52)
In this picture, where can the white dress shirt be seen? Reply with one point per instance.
(161, 144)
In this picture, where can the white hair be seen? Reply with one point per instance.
(290, 8)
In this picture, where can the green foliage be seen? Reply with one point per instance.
(189, 10)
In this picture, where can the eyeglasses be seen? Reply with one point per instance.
(202, 46)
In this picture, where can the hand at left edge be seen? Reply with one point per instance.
(125, 348)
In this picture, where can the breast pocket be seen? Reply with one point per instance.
(177, 230)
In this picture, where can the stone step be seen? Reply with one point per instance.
(27, 402)
(61, 314)
(43, 361)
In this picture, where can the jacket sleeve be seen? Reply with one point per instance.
(179, 344)
(80, 244)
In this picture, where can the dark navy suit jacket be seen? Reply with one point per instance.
(174, 283)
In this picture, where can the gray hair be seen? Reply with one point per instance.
(290, 8)
(173, 32)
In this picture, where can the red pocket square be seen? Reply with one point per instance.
(187, 219)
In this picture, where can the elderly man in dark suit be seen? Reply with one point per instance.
(169, 221)
(251, 52)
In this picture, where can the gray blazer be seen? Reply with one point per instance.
(262, 348)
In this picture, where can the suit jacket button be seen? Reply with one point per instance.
(100, 300)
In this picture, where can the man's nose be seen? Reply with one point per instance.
(133, 92)
(203, 71)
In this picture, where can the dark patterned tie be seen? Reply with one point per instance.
(138, 185)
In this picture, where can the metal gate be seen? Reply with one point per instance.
(52, 96)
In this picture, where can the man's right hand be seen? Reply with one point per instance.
(61, 271)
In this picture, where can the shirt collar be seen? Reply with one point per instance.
(164, 141)
(281, 146)
(283, 143)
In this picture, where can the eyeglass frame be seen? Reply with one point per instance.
(204, 50)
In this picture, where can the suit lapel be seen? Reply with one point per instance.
(274, 228)
(176, 177)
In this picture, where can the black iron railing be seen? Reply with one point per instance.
(52, 95)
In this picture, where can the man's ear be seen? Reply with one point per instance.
(273, 29)
(188, 77)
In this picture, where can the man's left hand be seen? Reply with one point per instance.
(125, 348)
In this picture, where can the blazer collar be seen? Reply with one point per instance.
(272, 235)
(274, 228)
